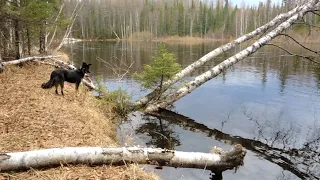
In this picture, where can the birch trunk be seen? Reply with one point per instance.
(216, 162)
(206, 58)
(55, 27)
(198, 81)
(23, 60)
(70, 26)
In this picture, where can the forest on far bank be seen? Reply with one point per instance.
(35, 26)
(143, 19)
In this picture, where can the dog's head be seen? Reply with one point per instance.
(85, 68)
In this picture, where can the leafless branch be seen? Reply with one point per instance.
(310, 58)
(118, 70)
(313, 12)
(316, 52)
(308, 24)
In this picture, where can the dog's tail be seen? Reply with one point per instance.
(48, 84)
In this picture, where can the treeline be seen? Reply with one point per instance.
(28, 25)
(124, 19)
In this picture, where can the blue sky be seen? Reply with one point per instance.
(252, 2)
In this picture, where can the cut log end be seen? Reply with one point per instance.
(231, 159)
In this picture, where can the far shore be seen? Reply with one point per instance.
(301, 37)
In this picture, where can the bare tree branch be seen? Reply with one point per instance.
(308, 24)
(316, 52)
(310, 58)
(118, 70)
(313, 12)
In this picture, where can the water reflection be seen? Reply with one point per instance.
(303, 162)
(160, 132)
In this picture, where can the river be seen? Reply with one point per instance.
(269, 98)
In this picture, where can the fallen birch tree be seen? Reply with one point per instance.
(23, 60)
(206, 58)
(217, 161)
(198, 81)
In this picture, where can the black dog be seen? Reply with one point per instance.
(58, 77)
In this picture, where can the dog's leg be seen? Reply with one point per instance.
(77, 87)
(62, 85)
(56, 85)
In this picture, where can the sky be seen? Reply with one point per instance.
(251, 2)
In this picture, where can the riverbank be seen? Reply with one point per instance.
(33, 118)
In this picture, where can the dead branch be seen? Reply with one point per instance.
(117, 70)
(316, 52)
(310, 58)
(307, 24)
(23, 60)
(313, 12)
(216, 162)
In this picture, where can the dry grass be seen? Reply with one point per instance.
(33, 118)
(184, 40)
(81, 172)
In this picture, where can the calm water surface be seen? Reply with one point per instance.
(269, 102)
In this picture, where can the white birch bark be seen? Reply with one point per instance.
(23, 60)
(69, 28)
(198, 81)
(216, 161)
(55, 27)
(206, 58)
